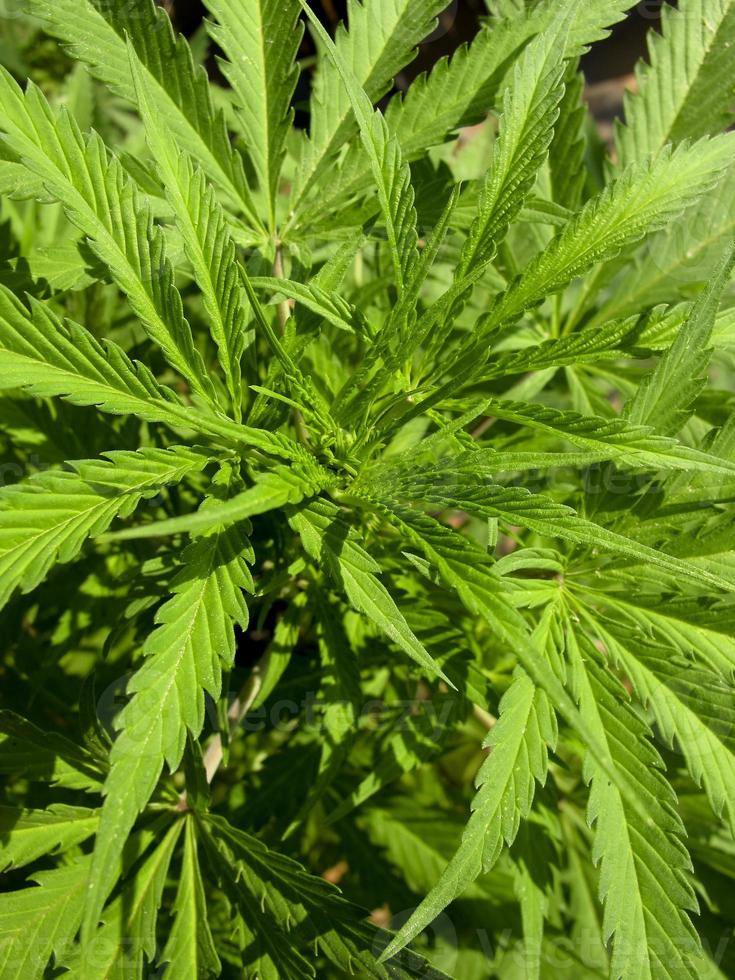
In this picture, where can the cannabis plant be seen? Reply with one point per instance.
(367, 542)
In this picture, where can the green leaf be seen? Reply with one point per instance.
(54, 359)
(530, 109)
(331, 542)
(95, 33)
(26, 750)
(664, 397)
(184, 657)
(643, 862)
(460, 565)
(277, 894)
(108, 209)
(299, 385)
(381, 40)
(47, 518)
(126, 940)
(567, 151)
(49, 358)
(693, 711)
(41, 920)
(260, 40)
(642, 199)
(456, 487)
(686, 89)
(391, 174)
(190, 952)
(459, 91)
(505, 788)
(203, 226)
(274, 490)
(692, 634)
(630, 444)
(323, 302)
(605, 342)
(45, 756)
(31, 834)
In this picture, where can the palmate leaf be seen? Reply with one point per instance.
(390, 172)
(643, 861)
(95, 33)
(664, 398)
(459, 91)
(466, 567)
(286, 909)
(45, 756)
(463, 566)
(456, 487)
(184, 657)
(381, 39)
(48, 517)
(669, 263)
(260, 39)
(41, 920)
(687, 88)
(49, 358)
(30, 834)
(126, 940)
(505, 789)
(203, 226)
(110, 212)
(641, 200)
(453, 95)
(530, 109)
(328, 540)
(274, 490)
(392, 447)
(627, 443)
(190, 952)
(608, 341)
(567, 150)
(692, 708)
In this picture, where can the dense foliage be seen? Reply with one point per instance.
(367, 508)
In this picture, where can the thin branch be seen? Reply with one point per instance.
(236, 714)
(284, 307)
(284, 314)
